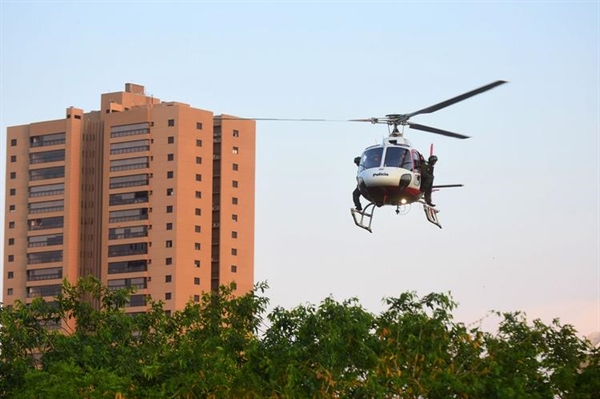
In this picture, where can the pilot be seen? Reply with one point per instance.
(427, 178)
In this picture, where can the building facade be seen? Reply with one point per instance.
(144, 193)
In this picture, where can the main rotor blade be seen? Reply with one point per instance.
(436, 130)
(456, 99)
(233, 118)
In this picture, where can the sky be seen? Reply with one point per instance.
(521, 235)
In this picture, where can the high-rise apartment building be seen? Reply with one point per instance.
(156, 195)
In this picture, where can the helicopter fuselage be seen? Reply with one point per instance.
(389, 174)
(389, 186)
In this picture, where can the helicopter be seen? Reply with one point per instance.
(393, 172)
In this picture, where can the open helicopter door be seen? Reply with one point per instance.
(364, 218)
(431, 214)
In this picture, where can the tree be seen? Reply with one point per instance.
(224, 347)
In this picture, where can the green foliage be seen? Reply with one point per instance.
(222, 347)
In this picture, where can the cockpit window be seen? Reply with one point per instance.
(371, 158)
(398, 157)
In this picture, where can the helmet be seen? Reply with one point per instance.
(433, 159)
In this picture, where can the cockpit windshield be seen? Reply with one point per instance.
(371, 158)
(398, 157)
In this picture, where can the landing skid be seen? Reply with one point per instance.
(431, 214)
(364, 218)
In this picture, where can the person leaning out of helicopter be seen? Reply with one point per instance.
(356, 192)
(427, 178)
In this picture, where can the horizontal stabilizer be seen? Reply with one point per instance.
(448, 185)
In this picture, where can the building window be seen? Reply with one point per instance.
(235, 184)
(197, 229)
(233, 269)
(13, 191)
(234, 234)
(198, 143)
(9, 291)
(234, 218)
(168, 278)
(198, 194)
(234, 201)
(169, 208)
(13, 175)
(171, 122)
(129, 147)
(169, 174)
(13, 158)
(198, 125)
(11, 241)
(199, 160)
(198, 211)
(198, 177)
(11, 258)
(169, 244)
(47, 139)
(197, 280)
(236, 133)
(196, 263)
(169, 226)
(129, 181)
(197, 246)
(46, 156)
(170, 139)
(196, 298)
(235, 150)
(236, 167)
(168, 261)
(12, 208)
(47, 173)
(13, 142)
(167, 296)
(170, 157)
(11, 225)
(234, 251)
(169, 191)
(11, 275)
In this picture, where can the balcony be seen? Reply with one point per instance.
(127, 218)
(44, 274)
(127, 249)
(44, 241)
(47, 173)
(130, 149)
(48, 209)
(132, 266)
(132, 132)
(47, 140)
(47, 156)
(44, 290)
(130, 167)
(44, 257)
(46, 193)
